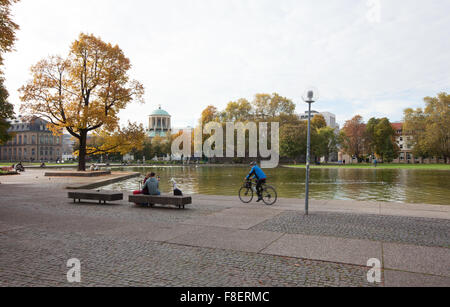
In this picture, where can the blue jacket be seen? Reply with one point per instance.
(257, 173)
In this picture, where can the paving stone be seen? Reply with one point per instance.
(418, 259)
(332, 249)
(398, 229)
(406, 279)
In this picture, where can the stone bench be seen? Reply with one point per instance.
(95, 195)
(179, 201)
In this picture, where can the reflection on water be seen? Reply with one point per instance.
(389, 185)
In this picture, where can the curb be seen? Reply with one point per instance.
(101, 183)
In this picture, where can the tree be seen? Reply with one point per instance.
(240, 110)
(84, 92)
(122, 141)
(8, 28)
(160, 146)
(7, 39)
(209, 114)
(318, 122)
(293, 140)
(380, 139)
(352, 137)
(269, 106)
(430, 128)
(6, 111)
(324, 142)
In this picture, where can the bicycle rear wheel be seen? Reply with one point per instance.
(269, 195)
(246, 195)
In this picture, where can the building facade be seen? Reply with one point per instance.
(330, 118)
(31, 142)
(404, 143)
(68, 144)
(159, 124)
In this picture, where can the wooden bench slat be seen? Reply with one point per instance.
(95, 195)
(161, 200)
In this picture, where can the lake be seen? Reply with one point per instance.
(386, 185)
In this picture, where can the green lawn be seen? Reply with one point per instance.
(445, 167)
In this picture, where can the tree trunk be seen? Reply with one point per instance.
(82, 152)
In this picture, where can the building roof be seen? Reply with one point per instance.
(160, 112)
(397, 126)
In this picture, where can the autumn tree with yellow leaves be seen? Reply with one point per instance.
(8, 37)
(83, 94)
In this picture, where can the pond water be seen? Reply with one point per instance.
(386, 185)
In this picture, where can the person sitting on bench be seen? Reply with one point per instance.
(144, 190)
(152, 185)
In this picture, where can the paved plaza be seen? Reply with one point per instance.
(217, 241)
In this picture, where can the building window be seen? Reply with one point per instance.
(33, 139)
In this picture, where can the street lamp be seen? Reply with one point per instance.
(310, 96)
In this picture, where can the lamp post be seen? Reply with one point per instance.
(310, 96)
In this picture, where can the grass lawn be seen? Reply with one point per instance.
(444, 167)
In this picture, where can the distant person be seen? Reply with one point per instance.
(19, 167)
(343, 162)
(257, 173)
(152, 185)
(42, 165)
(375, 162)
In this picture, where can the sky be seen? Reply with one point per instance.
(369, 57)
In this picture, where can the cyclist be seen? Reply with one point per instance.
(257, 173)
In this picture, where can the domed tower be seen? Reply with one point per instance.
(159, 123)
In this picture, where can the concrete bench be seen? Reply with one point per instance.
(179, 201)
(95, 195)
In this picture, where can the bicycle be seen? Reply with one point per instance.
(248, 190)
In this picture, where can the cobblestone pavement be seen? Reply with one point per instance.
(38, 237)
(124, 245)
(35, 258)
(397, 229)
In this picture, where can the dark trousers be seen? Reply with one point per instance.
(259, 184)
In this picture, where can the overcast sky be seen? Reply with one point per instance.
(373, 58)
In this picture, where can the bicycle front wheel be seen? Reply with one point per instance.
(246, 195)
(269, 195)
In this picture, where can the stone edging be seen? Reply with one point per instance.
(101, 183)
